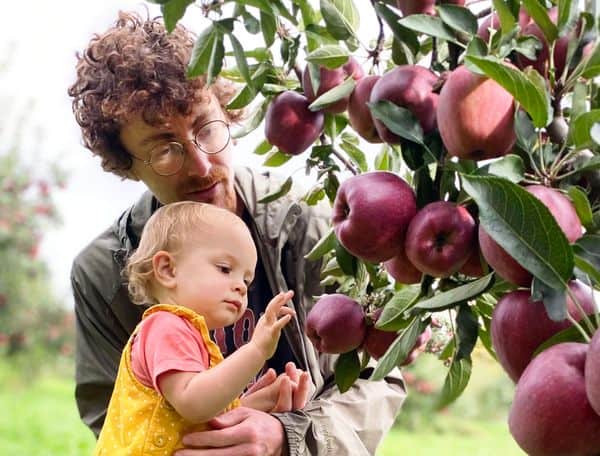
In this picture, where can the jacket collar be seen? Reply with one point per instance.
(273, 221)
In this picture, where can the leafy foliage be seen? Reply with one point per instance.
(546, 97)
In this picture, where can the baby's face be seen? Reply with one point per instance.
(213, 274)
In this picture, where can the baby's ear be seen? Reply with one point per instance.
(163, 265)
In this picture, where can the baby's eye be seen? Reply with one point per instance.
(224, 268)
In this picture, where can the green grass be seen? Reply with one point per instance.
(40, 418)
(451, 436)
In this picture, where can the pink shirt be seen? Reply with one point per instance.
(166, 342)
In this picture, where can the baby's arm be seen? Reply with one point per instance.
(199, 396)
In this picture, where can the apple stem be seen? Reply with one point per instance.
(581, 310)
(343, 159)
(583, 332)
(374, 54)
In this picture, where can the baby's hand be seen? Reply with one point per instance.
(279, 394)
(269, 326)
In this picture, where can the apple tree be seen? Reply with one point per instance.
(482, 201)
(30, 314)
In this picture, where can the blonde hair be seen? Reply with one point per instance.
(169, 228)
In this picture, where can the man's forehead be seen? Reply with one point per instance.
(207, 108)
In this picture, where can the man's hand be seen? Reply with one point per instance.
(240, 432)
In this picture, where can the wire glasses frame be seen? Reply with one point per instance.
(167, 159)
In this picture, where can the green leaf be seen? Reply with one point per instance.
(522, 225)
(263, 148)
(326, 244)
(459, 18)
(525, 131)
(207, 54)
(477, 47)
(429, 25)
(539, 14)
(276, 158)
(467, 330)
(355, 154)
(173, 11)
(341, 17)
(399, 120)
(253, 120)
(585, 265)
(345, 259)
(510, 167)
(243, 98)
(268, 25)
(382, 160)
(555, 301)
(582, 206)
(240, 59)
(525, 88)
(330, 56)
(567, 11)
(591, 65)
(450, 298)
(347, 370)
(587, 250)
(571, 334)
(456, 381)
(580, 128)
(399, 350)
(392, 316)
(281, 191)
(507, 20)
(315, 195)
(331, 96)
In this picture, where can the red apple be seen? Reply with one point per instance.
(508, 268)
(330, 78)
(378, 341)
(592, 372)
(290, 125)
(467, 128)
(410, 87)
(550, 414)
(402, 270)
(371, 212)
(520, 326)
(543, 55)
(440, 238)
(408, 7)
(336, 324)
(359, 112)
(473, 267)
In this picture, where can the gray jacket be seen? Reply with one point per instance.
(352, 423)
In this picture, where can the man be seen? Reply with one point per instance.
(147, 122)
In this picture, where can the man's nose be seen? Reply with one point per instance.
(198, 162)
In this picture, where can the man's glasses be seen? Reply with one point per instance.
(167, 159)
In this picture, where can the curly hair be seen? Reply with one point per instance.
(136, 67)
(168, 229)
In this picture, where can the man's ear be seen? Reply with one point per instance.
(163, 265)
